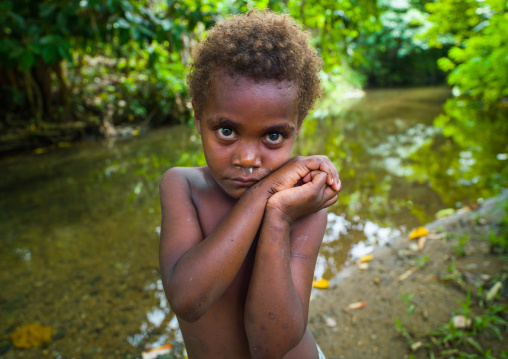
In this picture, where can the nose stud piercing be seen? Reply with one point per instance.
(246, 168)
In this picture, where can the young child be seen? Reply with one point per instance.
(240, 236)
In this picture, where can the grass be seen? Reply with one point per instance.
(407, 302)
(450, 341)
(498, 243)
(460, 248)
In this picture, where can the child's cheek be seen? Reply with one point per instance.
(262, 172)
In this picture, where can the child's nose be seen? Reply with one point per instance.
(247, 155)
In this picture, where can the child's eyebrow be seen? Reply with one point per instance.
(286, 128)
(214, 121)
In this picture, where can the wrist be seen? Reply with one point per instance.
(260, 190)
(276, 212)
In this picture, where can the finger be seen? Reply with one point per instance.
(335, 182)
(325, 166)
(307, 178)
(319, 178)
(337, 186)
(329, 194)
(328, 167)
(331, 201)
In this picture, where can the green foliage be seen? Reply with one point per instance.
(478, 61)
(475, 117)
(46, 49)
(395, 54)
(460, 247)
(335, 25)
(499, 241)
(115, 61)
(407, 298)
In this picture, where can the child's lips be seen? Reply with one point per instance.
(244, 182)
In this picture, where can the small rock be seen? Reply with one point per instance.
(460, 322)
(330, 322)
(363, 266)
(491, 294)
(416, 346)
(425, 315)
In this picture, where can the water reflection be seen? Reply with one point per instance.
(79, 226)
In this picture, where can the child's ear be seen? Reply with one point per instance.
(298, 128)
(197, 118)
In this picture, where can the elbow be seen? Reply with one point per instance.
(264, 350)
(187, 308)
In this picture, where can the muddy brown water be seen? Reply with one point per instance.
(79, 225)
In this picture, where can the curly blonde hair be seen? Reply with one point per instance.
(261, 45)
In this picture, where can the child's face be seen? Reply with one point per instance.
(247, 129)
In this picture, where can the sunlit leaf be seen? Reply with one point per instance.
(366, 258)
(31, 335)
(418, 232)
(321, 284)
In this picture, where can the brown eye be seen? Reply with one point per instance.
(274, 138)
(225, 133)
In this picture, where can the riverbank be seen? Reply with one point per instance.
(415, 287)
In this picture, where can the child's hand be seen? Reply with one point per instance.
(303, 200)
(298, 170)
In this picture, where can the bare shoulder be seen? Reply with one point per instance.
(179, 176)
(178, 181)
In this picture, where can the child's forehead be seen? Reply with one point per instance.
(232, 82)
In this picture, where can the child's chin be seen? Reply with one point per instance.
(235, 193)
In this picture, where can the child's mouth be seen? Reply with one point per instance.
(243, 182)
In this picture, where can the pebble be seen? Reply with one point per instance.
(330, 322)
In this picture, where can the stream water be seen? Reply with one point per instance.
(79, 226)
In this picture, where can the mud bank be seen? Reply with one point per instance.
(421, 289)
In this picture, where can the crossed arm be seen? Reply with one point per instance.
(290, 235)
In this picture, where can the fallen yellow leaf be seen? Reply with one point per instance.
(445, 212)
(321, 284)
(366, 258)
(418, 232)
(31, 335)
(40, 150)
(156, 352)
(356, 305)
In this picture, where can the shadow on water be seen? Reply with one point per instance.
(79, 226)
